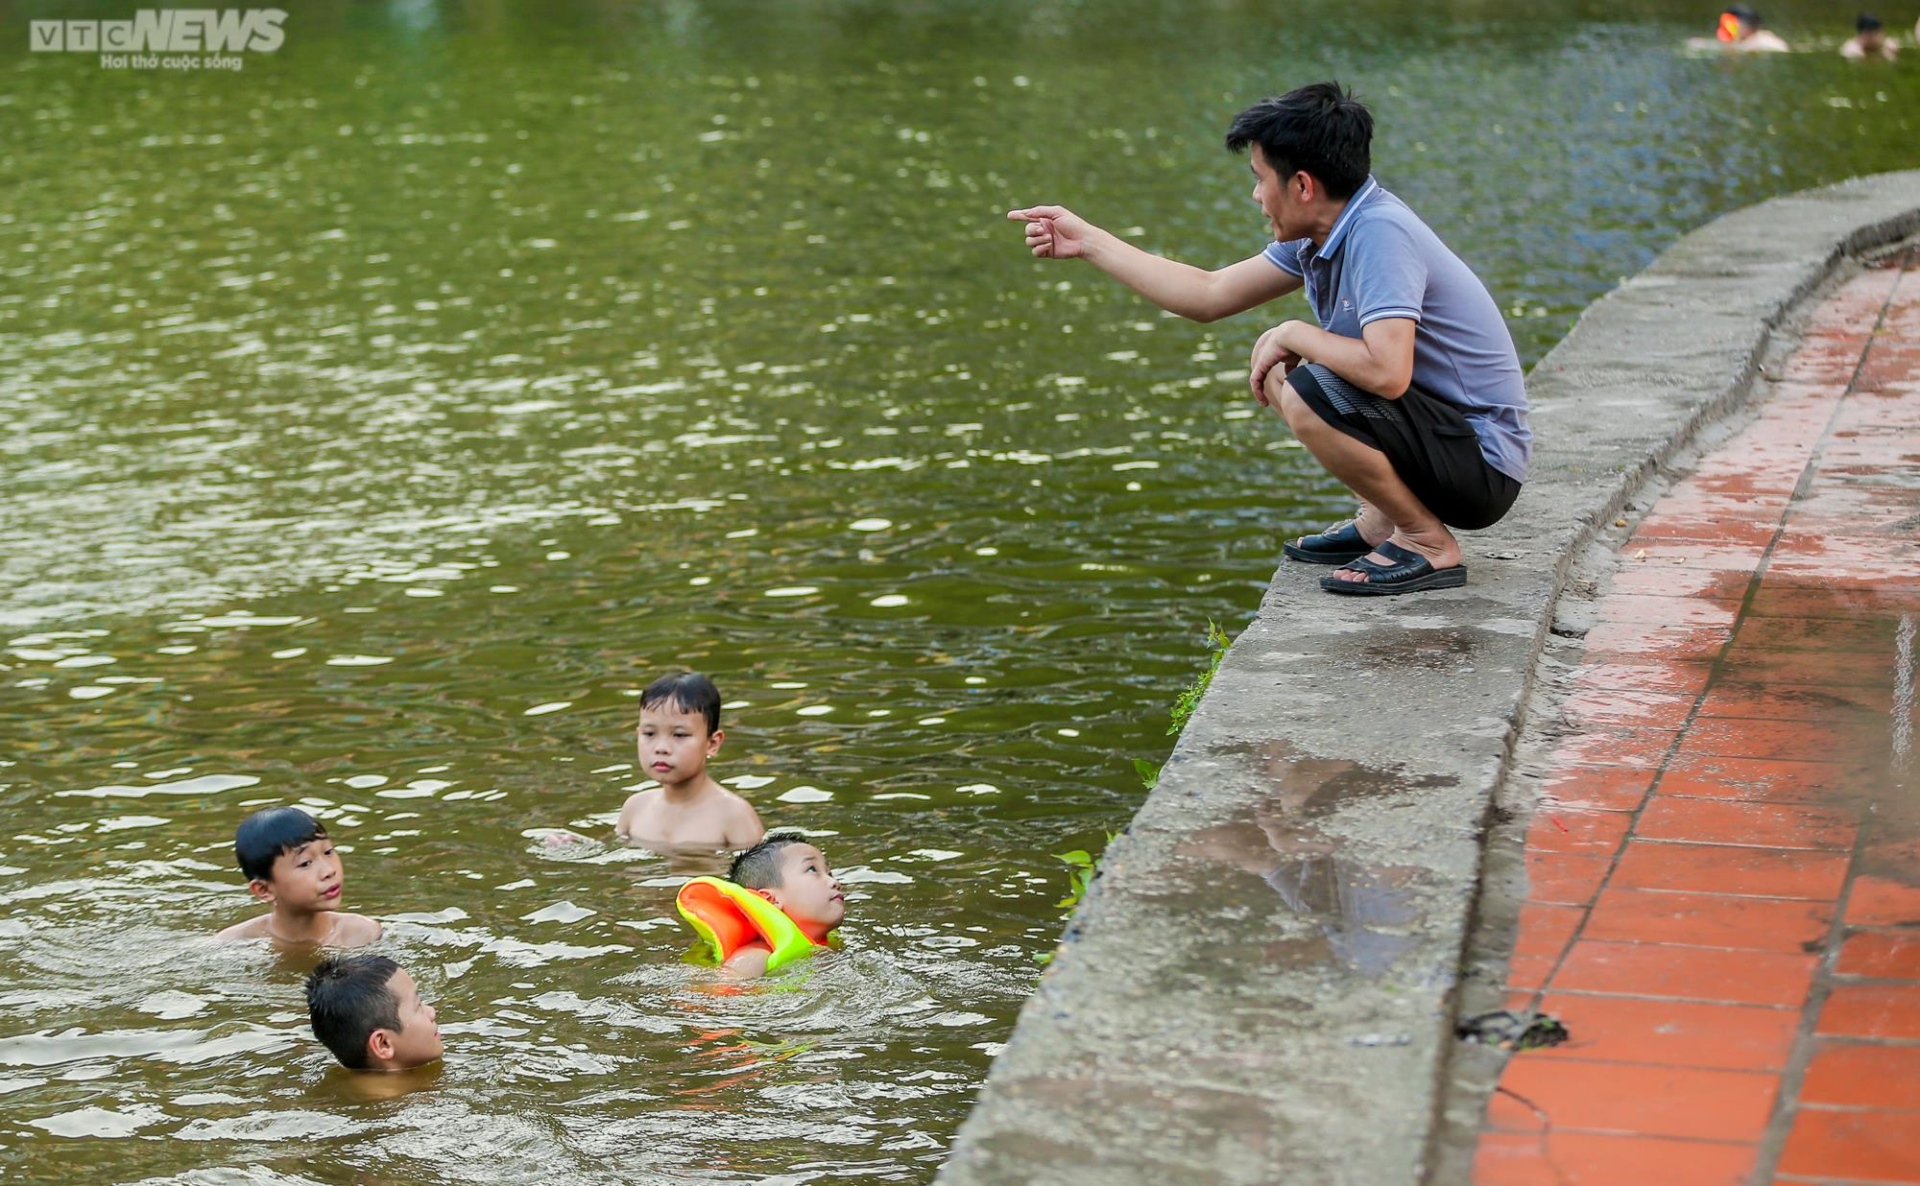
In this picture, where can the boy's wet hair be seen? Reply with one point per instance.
(759, 866)
(348, 999)
(1319, 129)
(264, 835)
(1866, 22)
(1744, 14)
(688, 691)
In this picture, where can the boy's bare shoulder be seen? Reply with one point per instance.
(642, 798)
(731, 797)
(239, 932)
(748, 963)
(638, 802)
(353, 930)
(744, 829)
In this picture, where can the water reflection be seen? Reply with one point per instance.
(1362, 906)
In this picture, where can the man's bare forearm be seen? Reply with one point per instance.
(1176, 287)
(1376, 367)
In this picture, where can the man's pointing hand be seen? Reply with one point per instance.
(1053, 232)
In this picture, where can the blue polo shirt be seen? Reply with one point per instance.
(1380, 261)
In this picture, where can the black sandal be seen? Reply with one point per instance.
(1335, 545)
(1410, 572)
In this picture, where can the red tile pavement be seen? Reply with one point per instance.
(1772, 825)
(1707, 920)
(1692, 973)
(1873, 1011)
(1852, 1075)
(1723, 902)
(1853, 1146)
(1671, 1033)
(1882, 955)
(1591, 1159)
(1883, 902)
(1563, 1095)
(1597, 788)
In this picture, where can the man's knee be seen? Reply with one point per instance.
(1297, 412)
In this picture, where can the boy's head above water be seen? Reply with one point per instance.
(687, 692)
(287, 856)
(368, 1011)
(291, 866)
(679, 727)
(794, 875)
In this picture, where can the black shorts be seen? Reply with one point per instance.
(1428, 441)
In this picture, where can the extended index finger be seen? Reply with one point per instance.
(1035, 213)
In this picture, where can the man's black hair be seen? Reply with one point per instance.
(1866, 22)
(348, 999)
(759, 866)
(1742, 13)
(688, 691)
(264, 835)
(1319, 129)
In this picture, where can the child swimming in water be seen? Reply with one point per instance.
(779, 903)
(1740, 31)
(368, 1011)
(679, 732)
(291, 865)
(1869, 40)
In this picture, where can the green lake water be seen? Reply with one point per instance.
(379, 418)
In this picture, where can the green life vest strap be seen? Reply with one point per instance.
(729, 916)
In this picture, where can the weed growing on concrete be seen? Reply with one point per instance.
(1083, 865)
(1188, 700)
(1217, 642)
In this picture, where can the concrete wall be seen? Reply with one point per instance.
(1259, 987)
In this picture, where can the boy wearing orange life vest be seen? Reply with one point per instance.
(780, 902)
(679, 731)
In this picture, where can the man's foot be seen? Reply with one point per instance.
(1343, 541)
(1336, 545)
(1435, 545)
(1400, 571)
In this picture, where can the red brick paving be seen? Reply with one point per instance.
(1724, 870)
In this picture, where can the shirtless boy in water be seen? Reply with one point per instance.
(291, 867)
(679, 731)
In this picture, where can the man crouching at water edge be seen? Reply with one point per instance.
(1409, 391)
(368, 1011)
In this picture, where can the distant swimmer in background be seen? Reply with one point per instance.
(291, 865)
(1870, 40)
(679, 732)
(1740, 33)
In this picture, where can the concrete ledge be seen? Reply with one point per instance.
(1259, 987)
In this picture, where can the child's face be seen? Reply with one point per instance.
(307, 878)
(808, 890)
(417, 1041)
(674, 744)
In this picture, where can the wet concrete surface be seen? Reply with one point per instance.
(1261, 985)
